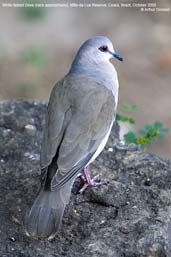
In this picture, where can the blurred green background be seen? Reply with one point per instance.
(38, 45)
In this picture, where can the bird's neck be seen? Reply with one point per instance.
(98, 71)
(104, 73)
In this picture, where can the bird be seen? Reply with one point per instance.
(79, 118)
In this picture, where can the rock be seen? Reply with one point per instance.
(129, 217)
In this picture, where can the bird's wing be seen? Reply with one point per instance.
(57, 115)
(77, 123)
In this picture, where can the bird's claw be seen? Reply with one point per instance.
(91, 182)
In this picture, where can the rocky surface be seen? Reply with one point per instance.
(130, 217)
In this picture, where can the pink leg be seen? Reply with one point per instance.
(91, 182)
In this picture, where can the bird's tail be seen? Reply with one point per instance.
(46, 213)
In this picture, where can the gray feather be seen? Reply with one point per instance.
(80, 112)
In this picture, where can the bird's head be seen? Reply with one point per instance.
(98, 49)
(94, 53)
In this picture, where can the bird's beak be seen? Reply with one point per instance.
(117, 56)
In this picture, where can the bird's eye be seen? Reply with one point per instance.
(103, 49)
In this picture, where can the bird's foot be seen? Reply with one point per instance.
(91, 182)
